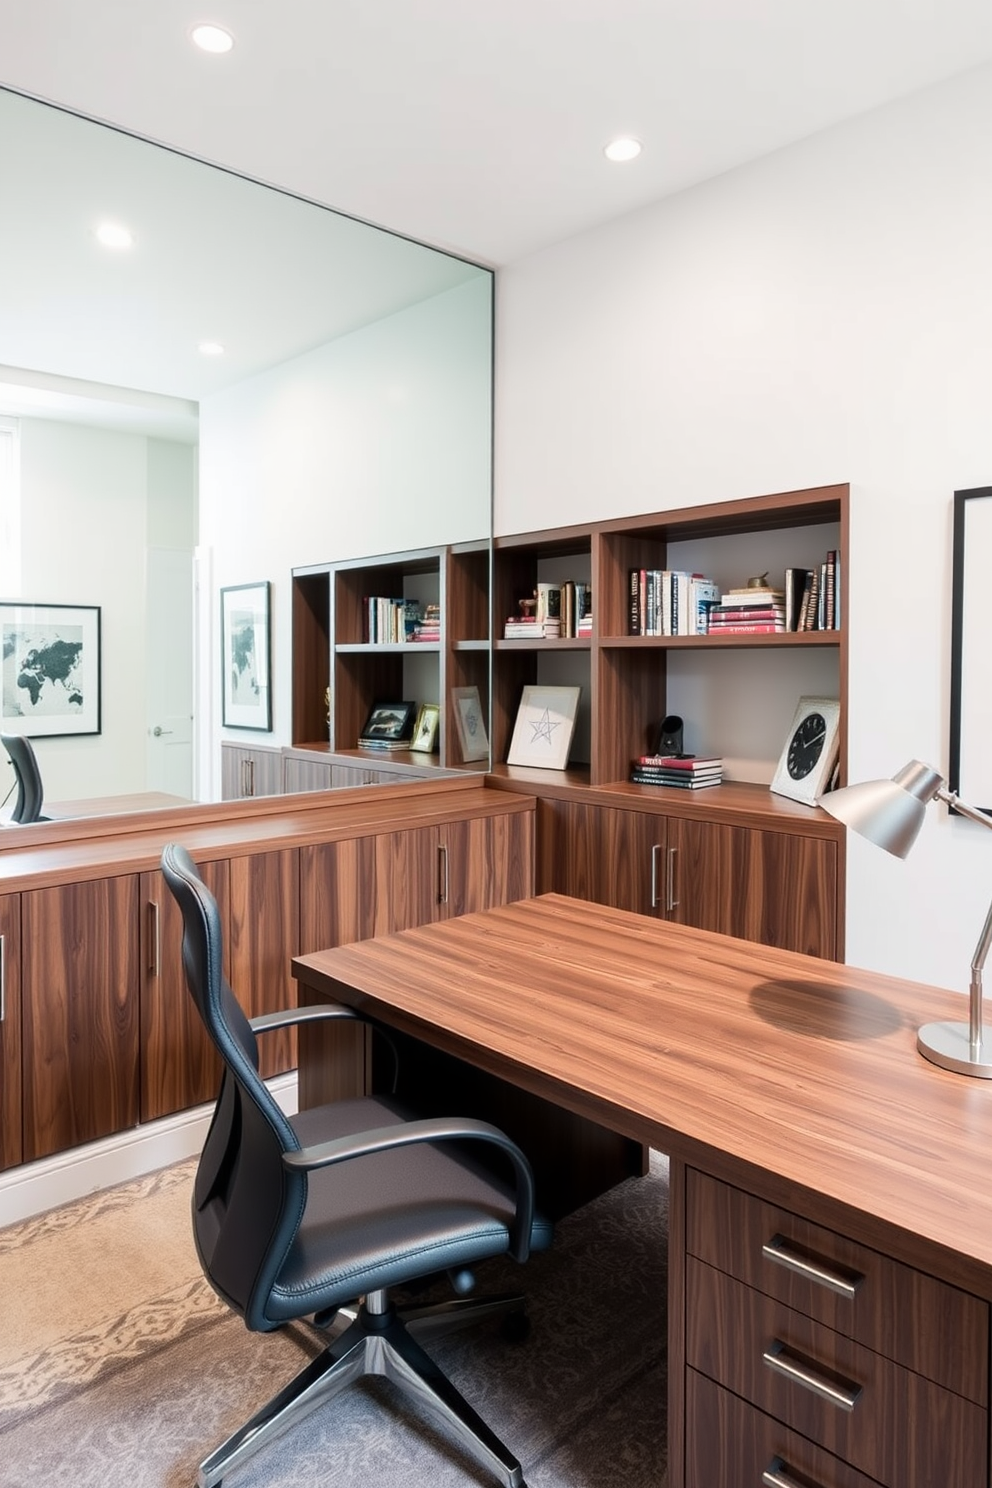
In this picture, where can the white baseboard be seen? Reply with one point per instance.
(35, 1187)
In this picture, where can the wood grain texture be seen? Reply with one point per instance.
(179, 1065)
(730, 1444)
(798, 1075)
(11, 1147)
(80, 1012)
(937, 1330)
(264, 934)
(904, 1430)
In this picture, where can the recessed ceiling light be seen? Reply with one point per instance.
(623, 149)
(211, 38)
(115, 235)
(211, 348)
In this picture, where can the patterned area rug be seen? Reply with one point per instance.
(118, 1363)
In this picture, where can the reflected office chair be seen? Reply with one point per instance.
(318, 1215)
(27, 807)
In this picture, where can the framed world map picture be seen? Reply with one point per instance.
(51, 669)
(244, 641)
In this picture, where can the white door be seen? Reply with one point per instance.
(170, 671)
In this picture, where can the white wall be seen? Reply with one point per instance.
(89, 500)
(374, 443)
(822, 315)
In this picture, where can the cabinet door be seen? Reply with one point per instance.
(613, 857)
(484, 862)
(306, 775)
(771, 887)
(264, 937)
(179, 1065)
(79, 979)
(10, 1030)
(249, 772)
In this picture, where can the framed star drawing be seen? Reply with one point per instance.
(470, 724)
(542, 734)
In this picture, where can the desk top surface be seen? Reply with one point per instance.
(759, 1064)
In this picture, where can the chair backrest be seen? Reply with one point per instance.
(27, 807)
(246, 1203)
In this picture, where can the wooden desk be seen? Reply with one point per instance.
(790, 1096)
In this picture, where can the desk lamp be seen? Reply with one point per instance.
(890, 814)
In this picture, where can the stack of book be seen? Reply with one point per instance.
(685, 772)
(748, 611)
(428, 627)
(563, 609)
(669, 602)
(813, 596)
(389, 621)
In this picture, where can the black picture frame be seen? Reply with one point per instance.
(388, 724)
(51, 669)
(969, 757)
(246, 657)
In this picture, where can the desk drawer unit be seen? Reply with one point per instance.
(881, 1366)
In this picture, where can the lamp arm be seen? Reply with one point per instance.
(985, 939)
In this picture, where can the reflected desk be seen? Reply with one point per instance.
(830, 1247)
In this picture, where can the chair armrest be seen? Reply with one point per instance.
(435, 1129)
(286, 1017)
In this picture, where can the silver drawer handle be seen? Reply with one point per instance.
(777, 1475)
(843, 1395)
(777, 1250)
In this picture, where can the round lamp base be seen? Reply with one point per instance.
(949, 1045)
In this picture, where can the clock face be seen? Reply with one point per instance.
(806, 745)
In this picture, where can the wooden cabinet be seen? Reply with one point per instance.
(10, 1030)
(779, 888)
(248, 772)
(837, 1359)
(179, 1065)
(332, 644)
(79, 959)
(264, 936)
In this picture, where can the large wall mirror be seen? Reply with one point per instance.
(347, 413)
(971, 699)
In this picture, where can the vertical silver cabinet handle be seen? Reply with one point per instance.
(654, 874)
(3, 982)
(777, 1475)
(251, 777)
(778, 1250)
(442, 874)
(839, 1393)
(154, 939)
(673, 903)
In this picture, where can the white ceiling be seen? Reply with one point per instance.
(475, 128)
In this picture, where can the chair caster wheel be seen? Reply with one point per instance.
(515, 1327)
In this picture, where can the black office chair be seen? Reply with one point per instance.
(27, 807)
(302, 1216)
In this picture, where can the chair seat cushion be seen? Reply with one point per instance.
(391, 1217)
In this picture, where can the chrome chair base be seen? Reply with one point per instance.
(378, 1341)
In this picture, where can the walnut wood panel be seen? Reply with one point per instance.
(467, 609)
(937, 1330)
(766, 886)
(264, 936)
(902, 1430)
(798, 1075)
(486, 861)
(361, 679)
(80, 1012)
(179, 1065)
(592, 852)
(730, 1445)
(629, 689)
(11, 1149)
(311, 654)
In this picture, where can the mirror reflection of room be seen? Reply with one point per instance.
(248, 384)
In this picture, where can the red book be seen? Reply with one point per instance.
(745, 627)
(675, 762)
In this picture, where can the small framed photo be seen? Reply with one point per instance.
(388, 726)
(469, 723)
(51, 669)
(425, 729)
(542, 734)
(245, 643)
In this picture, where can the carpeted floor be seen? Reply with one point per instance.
(118, 1364)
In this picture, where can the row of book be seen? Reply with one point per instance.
(388, 622)
(684, 772)
(669, 602)
(808, 600)
(555, 611)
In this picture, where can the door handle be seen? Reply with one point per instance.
(442, 874)
(673, 903)
(158, 731)
(154, 939)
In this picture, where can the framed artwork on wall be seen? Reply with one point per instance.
(970, 761)
(245, 654)
(51, 669)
